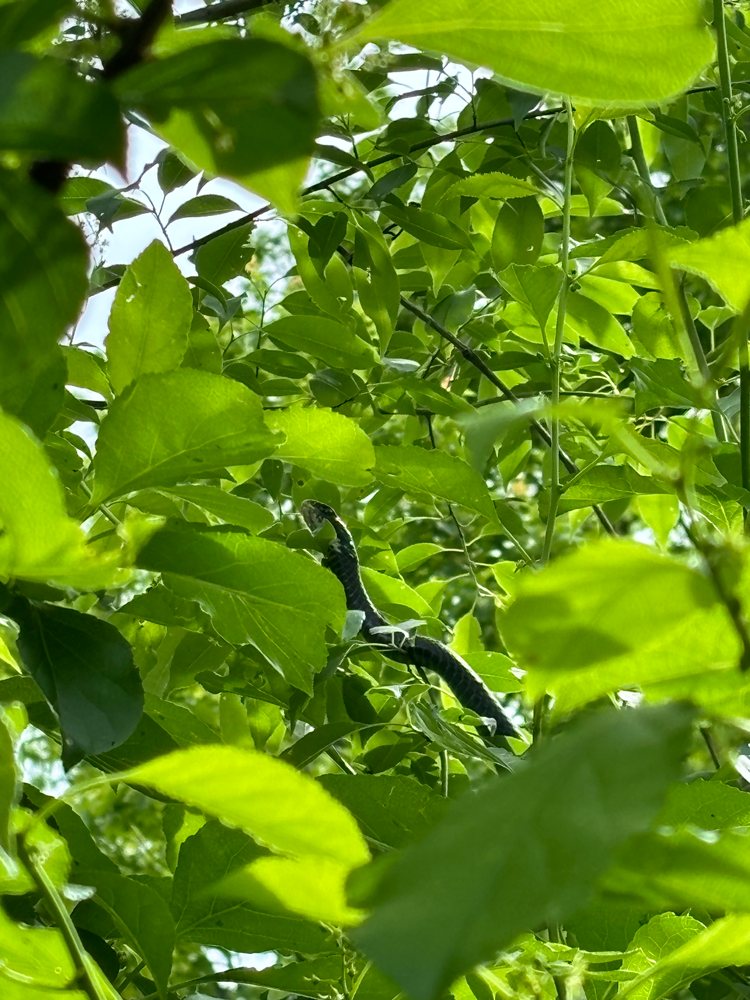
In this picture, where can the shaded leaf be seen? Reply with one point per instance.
(85, 669)
(526, 850)
(256, 591)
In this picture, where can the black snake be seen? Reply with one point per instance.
(423, 653)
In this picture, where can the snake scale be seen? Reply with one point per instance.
(423, 653)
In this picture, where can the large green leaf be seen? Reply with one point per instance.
(214, 101)
(43, 262)
(613, 615)
(723, 260)
(227, 507)
(256, 591)
(598, 53)
(172, 427)
(323, 338)
(48, 109)
(433, 474)
(205, 915)
(390, 809)
(600, 484)
(651, 945)
(525, 851)
(264, 796)
(142, 916)
(38, 540)
(327, 444)
(85, 669)
(724, 943)
(150, 318)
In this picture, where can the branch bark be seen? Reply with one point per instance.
(218, 11)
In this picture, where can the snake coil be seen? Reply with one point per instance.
(425, 654)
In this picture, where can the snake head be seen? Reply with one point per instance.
(316, 514)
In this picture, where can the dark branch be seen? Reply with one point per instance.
(218, 11)
(136, 38)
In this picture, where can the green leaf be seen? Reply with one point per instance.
(48, 109)
(329, 445)
(143, 917)
(227, 507)
(723, 260)
(653, 328)
(596, 325)
(43, 262)
(379, 293)
(172, 172)
(270, 800)
(709, 805)
(150, 318)
(77, 191)
(429, 227)
(24, 19)
(601, 484)
(724, 943)
(85, 669)
(517, 235)
(391, 593)
(323, 338)
(225, 257)
(494, 185)
(582, 51)
(314, 888)
(204, 204)
(613, 615)
(38, 540)
(683, 869)
(205, 916)
(663, 383)
(663, 934)
(536, 288)
(86, 370)
(35, 955)
(394, 810)
(185, 424)
(257, 592)
(433, 474)
(212, 101)
(526, 851)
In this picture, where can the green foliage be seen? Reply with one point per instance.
(491, 318)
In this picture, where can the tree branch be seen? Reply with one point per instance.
(218, 11)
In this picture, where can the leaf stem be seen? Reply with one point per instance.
(730, 128)
(559, 334)
(639, 158)
(61, 917)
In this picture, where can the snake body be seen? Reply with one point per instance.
(425, 654)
